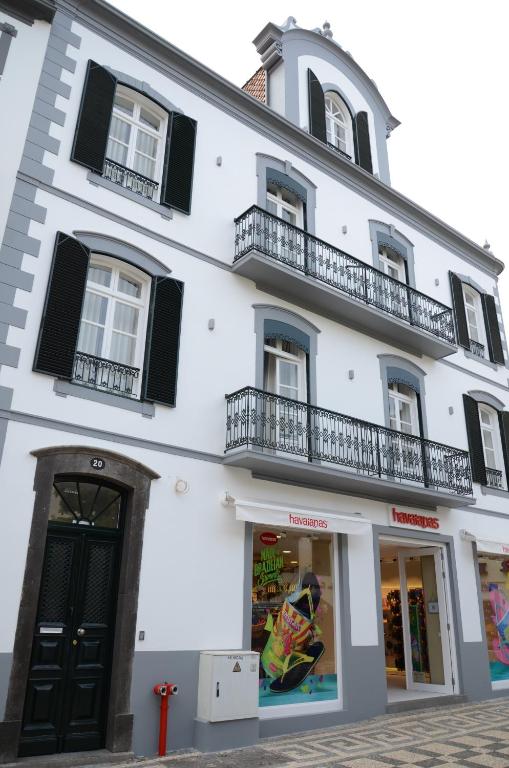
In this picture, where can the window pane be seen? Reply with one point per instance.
(116, 152)
(94, 308)
(90, 339)
(147, 118)
(144, 165)
(125, 318)
(288, 374)
(271, 207)
(123, 104)
(488, 439)
(120, 130)
(129, 285)
(293, 618)
(288, 216)
(99, 275)
(122, 348)
(146, 144)
(493, 571)
(485, 417)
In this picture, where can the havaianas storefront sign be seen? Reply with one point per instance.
(422, 521)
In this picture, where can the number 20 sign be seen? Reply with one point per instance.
(97, 463)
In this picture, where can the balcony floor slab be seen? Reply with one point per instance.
(327, 477)
(292, 285)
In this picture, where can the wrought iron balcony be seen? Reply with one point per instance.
(477, 348)
(130, 179)
(105, 375)
(494, 478)
(264, 431)
(338, 150)
(291, 263)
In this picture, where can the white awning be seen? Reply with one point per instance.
(297, 517)
(490, 546)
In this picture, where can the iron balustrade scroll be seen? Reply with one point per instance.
(278, 424)
(105, 375)
(258, 230)
(494, 478)
(477, 348)
(130, 179)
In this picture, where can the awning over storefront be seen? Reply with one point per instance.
(297, 517)
(490, 546)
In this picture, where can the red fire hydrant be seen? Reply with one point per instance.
(164, 690)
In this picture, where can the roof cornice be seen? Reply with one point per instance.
(29, 10)
(141, 42)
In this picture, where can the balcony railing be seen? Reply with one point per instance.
(279, 425)
(494, 478)
(257, 230)
(338, 150)
(105, 375)
(477, 348)
(130, 179)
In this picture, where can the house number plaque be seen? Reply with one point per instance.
(97, 463)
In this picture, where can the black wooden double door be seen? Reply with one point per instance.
(69, 678)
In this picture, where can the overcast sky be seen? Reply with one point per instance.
(441, 66)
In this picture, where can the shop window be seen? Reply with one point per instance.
(494, 576)
(294, 616)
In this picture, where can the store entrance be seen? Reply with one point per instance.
(416, 620)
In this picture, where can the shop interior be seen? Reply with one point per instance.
(414, 654)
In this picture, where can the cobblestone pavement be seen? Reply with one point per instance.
(463, 736)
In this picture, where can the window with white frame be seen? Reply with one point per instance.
(492, 446)
(136, 142)
(475, 320)
(392, 263)
(111, 341)
(403, 409)
(284, 204)
(338, 123)
(285, 369)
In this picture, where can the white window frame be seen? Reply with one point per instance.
(411, 401)
(276, 198)
(140, 102)
(494, 429)
(299, 360)
(477, 330)
(332, 99)
(389, 259)
(112, 294)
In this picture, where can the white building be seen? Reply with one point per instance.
(344, 510)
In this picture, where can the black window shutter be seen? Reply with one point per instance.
(474, 440)
(91, 138)
(458, 303)
(316, 100)
(161, 357)
(492, 329)
(60, 323)
(363, 144)
(177, 183)
(503, 417)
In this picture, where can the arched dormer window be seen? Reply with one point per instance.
(338, 124)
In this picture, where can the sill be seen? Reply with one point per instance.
(481, 360)
(64, 388)
(99, 181)
(487, 490)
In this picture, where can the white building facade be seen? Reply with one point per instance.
(252, 398)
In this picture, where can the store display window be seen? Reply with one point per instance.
(293, 620)
(494, 573)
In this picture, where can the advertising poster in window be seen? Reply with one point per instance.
(293, 620)
(494, 573)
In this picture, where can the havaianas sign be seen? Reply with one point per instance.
(413, 520)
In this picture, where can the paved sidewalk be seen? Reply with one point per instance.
(463, 736)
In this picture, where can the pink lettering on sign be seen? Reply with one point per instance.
(420, 521)
(308, 522)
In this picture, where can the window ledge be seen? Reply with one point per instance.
(481, 360)
(99, 181)
(487, 490)
(64, 388)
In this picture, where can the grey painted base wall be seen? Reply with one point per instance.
(5, 671)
